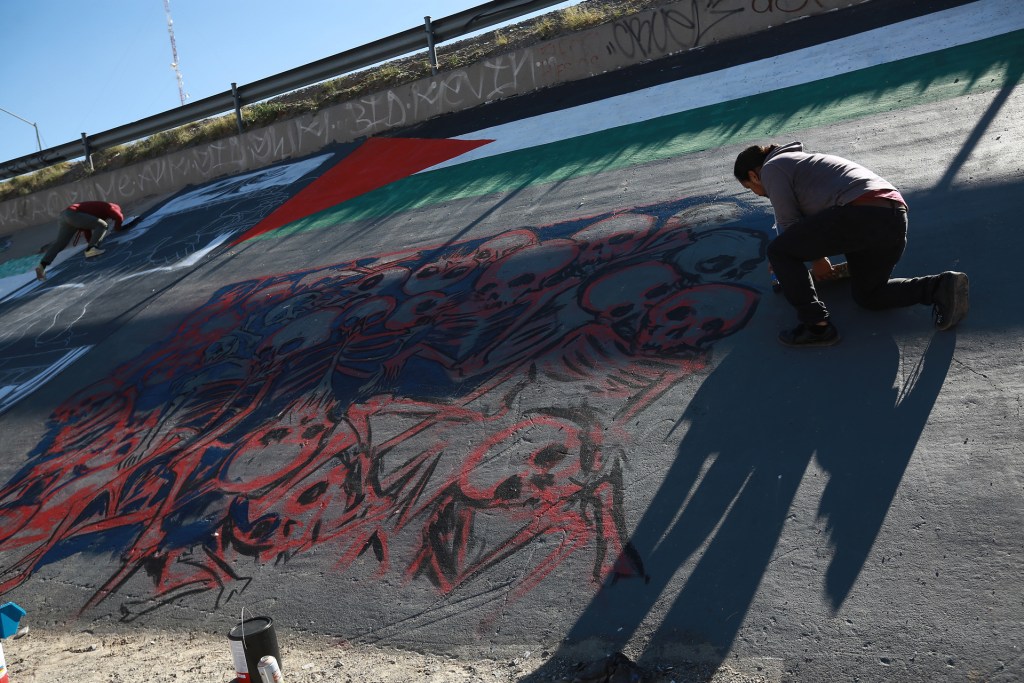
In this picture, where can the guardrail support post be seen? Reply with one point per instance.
(431, 51)
(88, 151)
(238, 107)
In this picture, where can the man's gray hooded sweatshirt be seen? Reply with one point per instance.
(801, 184)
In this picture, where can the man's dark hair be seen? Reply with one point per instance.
(751, 159)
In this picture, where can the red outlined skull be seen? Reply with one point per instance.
(695, 317)
(379, 279)
(417, 310)
(501, 246)
(524, 271)
(313, 329)
(710, 215)
(291, 308)
(627, 293)
(368, 313)
(721, 254)
(539, 459)
(612, 238)
(441, 273)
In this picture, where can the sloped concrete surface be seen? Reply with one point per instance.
(550, 418)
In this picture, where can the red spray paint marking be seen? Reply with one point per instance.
(374, 164)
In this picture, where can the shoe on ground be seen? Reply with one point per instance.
(93, 251)
(40, 273)
(952, 299)
(810, 336)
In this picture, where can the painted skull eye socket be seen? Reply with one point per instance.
(509, 489)
(426, 306)
(556, 278)
(716, 264)
(275, 436)
(428, 271)
(313, 493)
(656, 292)
(312, 431)
(370, 282)
(264, 527)
(680, 313)
(456, 273)
(622, 311)
(549, 456)
(524, 279)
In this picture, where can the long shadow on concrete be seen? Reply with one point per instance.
(752, 430)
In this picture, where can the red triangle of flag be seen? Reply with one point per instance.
(375, 163)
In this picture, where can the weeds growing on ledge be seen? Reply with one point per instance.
(457, 55)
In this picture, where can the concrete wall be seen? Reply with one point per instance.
(642, 37)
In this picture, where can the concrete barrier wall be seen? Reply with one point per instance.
(648, 35)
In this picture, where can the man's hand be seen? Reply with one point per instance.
(822, 270)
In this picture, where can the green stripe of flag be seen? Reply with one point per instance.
(976, 67)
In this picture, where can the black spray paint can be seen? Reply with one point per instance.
(251, 640)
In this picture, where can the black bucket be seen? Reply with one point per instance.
(251, 640)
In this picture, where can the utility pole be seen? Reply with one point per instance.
(174, 52)
(39, 141)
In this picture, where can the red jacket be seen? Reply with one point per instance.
(103, 210)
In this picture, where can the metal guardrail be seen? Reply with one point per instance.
(397, 45)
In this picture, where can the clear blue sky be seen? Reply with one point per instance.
(74, 66)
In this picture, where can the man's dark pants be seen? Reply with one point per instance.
(872, 238)
(71, 222)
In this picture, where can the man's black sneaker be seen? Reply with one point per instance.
(810, 335)
(952, 299)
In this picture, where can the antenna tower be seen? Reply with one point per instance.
(174, 52)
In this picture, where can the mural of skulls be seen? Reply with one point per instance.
(432, 395)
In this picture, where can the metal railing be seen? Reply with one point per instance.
(400, 44)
